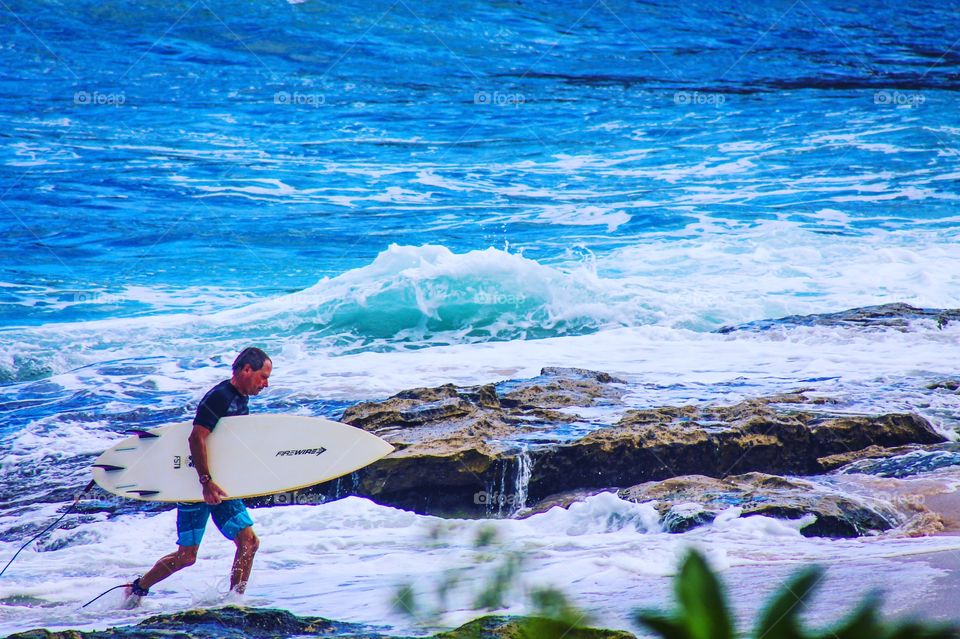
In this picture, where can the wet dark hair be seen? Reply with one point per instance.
(250, 355)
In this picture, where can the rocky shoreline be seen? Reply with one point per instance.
(487, 450)
(492, 449)
(518, 447)
(233, 622)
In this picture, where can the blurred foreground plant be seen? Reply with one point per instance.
(701, 611)
(496, 580)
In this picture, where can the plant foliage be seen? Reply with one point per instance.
(701, 609)
(702, 612)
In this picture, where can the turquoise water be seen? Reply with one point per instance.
(398, 195)
(258, 147)
(192, 158)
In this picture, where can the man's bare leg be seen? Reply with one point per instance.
(247, 545)
(181, 558)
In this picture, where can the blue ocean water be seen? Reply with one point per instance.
(395, 194)
(258, 147)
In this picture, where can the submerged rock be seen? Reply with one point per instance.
(945, 384)
(756, 435)
(840, 460)
(906, 461)
(896, 316)
(690, 501)
(519, 628)
(686, 516)
(231, 622)
(234, 622)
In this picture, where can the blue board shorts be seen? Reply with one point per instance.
(230, 516)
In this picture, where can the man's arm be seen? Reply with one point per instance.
(212, 493)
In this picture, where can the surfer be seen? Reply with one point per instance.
(251, 372)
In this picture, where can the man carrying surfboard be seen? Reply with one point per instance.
(251, 373)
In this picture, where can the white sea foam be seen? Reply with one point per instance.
(642, 312)
(868, 372)
(53, 439)
(138, 298)
(573, 215)
(344, 560)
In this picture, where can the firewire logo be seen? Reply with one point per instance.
(301, 451)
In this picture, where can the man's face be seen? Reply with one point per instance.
(251, 382)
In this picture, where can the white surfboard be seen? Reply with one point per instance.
(249, 456)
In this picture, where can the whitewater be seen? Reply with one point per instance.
(392, 197)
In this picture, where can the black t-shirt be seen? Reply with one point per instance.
(223, 400)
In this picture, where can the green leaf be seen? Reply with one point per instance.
(504, 577)
(781, 619)
(486, 537)
(702, 604)
(863, 623)
(451, 579)
(404, 601)
(917, 630)
(540, 628)
(665, 626)
(551, 603)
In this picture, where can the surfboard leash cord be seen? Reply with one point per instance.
(69, 510)
(104, 593)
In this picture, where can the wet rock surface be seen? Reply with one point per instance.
(513, 628)
(231, 622)
(457, 452)
(897, 316)
(945, 384)
(906, 461)
(691, 501)
(873, 452)
(451, 455)
(756, 435)
(258, 623)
